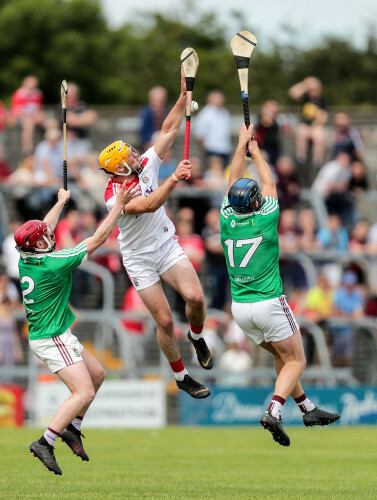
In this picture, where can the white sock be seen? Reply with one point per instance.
(180, 375)
(50, 436)
(196, 336)
(76, 422)
(276, 406)
(306, 405)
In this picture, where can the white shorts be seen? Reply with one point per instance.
(265, 321)
(59, 351)
(145, 269)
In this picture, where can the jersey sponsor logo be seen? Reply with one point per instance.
(244, 279)
(233, 223)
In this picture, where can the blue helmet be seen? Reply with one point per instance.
(245, 196)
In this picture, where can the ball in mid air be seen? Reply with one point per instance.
(194, 106)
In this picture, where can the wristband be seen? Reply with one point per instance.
(175, 177)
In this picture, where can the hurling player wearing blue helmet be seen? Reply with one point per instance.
(249, 217)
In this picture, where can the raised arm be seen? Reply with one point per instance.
(237, 166)
(172, 123)
(265, 175)
(297, 90)
(155, 200)
(53, 215)
(106, 227)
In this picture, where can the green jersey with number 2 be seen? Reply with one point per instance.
(251, 247)
(46, 282)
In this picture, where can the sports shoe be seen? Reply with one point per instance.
(45, 453)
(202, 352)
(192, 387)
(319, 417)
(275, 426)
(72, 437)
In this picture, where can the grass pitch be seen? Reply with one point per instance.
(196, 463)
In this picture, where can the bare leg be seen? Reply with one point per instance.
(298, 390)
(156, 302)
(96, 372)
(183, 278)
(319, 143)
(77, 378)
(302, 137)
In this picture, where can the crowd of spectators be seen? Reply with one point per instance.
(328, 161)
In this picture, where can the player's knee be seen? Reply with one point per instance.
(196, 300)
(88, 396)
(165, 322)
(100, 377)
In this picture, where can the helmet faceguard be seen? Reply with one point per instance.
(28, 235)
(245, 196)
(120, 153)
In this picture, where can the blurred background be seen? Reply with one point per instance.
(312, 89)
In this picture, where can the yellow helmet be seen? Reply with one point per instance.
(120, 153)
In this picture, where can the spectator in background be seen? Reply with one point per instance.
(26, 109)
(79, 117)
(153, 115)
(331, 184)
(334, 237)
(287, 183)
(307, 228)
(319, 301)
(215, 179)
(92, 183)
(214, 342)
(358, 182)
(212, 127)
(191, 243)
(313, 118)
(359, 237)
(267, 131)
(10, 347)
(219, 283)
(167, 167)
(235, 365)
(11, 256)
(348, 303)
(347, 138)
(5, 169)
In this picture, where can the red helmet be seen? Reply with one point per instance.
(31, 232)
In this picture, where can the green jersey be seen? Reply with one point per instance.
(46, 282)
(251, 248)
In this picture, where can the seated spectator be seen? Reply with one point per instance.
(153, 115)
(214, 175)
(348, 303)
(287, 183)
(79, 117)
(307, 227)
(191, 243)
(313, 118)
(292, 273)
(26, 109)
(267, 131)
(347, 138)
(334, 237)
(167, 167)
(219, 284)
(358, 182)
(359, 237)
(10, 346)
(212, 127)
(235, 365)
(136, 328)
(92, 183)
(197, 178)
(319, 301)
(11, 257)
(331, 184)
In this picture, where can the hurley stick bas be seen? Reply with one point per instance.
(190, 64)
(64, 93)
(242, 45)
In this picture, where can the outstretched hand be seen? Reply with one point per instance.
(124, 195)
(64, 195)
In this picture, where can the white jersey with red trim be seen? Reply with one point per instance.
(143, 232)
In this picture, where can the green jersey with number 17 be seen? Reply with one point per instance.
(46, 282)
(251, 247)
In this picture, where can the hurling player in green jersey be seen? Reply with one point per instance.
(249, 217)
(46, 281)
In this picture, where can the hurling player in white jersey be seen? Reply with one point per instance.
(149, 246)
